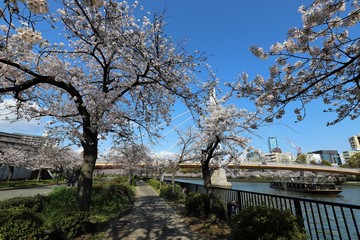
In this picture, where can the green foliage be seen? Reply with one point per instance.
(71, 224)
(34, 204)
(354, 161)
(21, 224)
(28, 217)
(154, 183)
(113, 194)
(167, 192)
(59, 200)
(198, 205)
(301, 158)
(266, 223)
(326, 163)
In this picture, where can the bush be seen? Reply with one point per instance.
(326, 163)
(21, 224)
(266, 223)
(33, 204)
(112, 195)
(167, 192)
(198, 205)
(71, 224)
(59, 200)
(154, 183)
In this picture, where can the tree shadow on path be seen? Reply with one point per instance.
(151, 218)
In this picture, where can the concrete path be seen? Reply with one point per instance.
(150, 218)
(23, 192)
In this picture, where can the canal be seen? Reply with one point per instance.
(349, 195)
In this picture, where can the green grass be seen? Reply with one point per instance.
(24, 183)
(58, 211)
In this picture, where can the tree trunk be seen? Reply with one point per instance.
(131, 177)
(174, 170)
(206, 174)
(85, 179)
(38, 176)
(11, 173)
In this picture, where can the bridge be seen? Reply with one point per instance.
(253, 165)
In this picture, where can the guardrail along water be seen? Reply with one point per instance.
(322, 219)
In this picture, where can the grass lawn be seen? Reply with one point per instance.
(25, 183)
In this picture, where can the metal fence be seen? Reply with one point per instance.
(322, 220)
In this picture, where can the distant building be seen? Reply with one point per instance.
(331, 156)
(347, 155)
(273, 145)
(20, 141)
(279, 157)
(355, 142)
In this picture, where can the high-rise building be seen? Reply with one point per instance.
(355, 142)
(273, 145)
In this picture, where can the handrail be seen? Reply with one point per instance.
(321, 219)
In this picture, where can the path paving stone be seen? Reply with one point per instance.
(151, 218)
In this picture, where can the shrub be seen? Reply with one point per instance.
(59, 200)
(112, 194)
(33, 204)
(167, 192)
(326, 163)
(71, 224)
(21, 224)
(198, 205)
(266, 223)
(154, 183)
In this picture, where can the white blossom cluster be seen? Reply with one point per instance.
(35, 6)
(29, 35)
(319, 60)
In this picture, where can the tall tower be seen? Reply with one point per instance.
(273, 145)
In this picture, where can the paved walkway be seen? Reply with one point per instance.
(150, 218)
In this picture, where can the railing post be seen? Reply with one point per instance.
(298, 212)
(239, 200)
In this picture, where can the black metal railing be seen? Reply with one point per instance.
(322, 219)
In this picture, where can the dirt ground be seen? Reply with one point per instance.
(210, 230)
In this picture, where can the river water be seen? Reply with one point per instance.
(349, 195)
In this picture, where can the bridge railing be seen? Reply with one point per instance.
(322, 219)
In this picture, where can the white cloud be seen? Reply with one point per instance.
(165, 154)
(9, 122)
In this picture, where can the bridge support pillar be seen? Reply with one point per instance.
(218, 179)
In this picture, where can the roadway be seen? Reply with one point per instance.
(25, 192)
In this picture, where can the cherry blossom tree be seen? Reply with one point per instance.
(13, 157)
(320, 60)
(187, 152)
(130, 156)
(223, 131)
(104, 75)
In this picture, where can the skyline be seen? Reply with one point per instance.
(225, 32)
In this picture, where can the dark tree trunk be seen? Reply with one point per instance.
(206, 156)
(206, 174)
(174, 170)
(85, 178)
(39, 175)
(11, 173)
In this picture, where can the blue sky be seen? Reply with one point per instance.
(225, 30)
